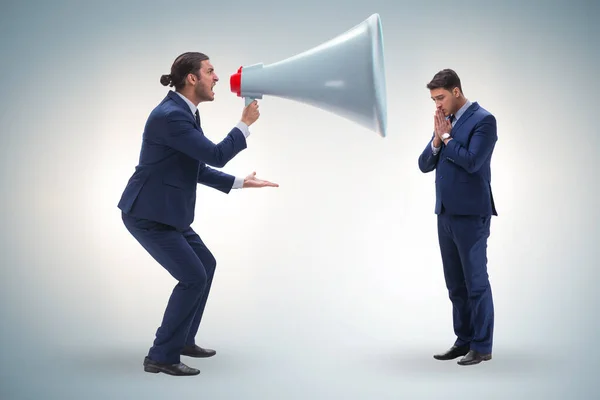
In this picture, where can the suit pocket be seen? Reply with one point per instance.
(465, 178)
(174, 183)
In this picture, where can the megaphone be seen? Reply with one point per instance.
(345, 76)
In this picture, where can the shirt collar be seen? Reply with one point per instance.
(462, 110)
(191, 105)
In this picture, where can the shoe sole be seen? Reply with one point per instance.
(486, 358)
(154, 370)
(198, 356)
(442, 358)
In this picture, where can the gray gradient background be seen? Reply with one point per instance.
(329, 287)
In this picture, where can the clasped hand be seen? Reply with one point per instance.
(441, 126)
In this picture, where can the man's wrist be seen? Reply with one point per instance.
(245, 128)
(446, 137)
(238, 182)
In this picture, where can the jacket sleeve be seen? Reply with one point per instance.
(480, 146)
(216, 179)
(427, 160)
(182, 135)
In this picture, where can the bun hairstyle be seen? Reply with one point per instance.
(166, 80)
(185, 64)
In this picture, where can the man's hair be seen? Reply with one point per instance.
(446, 79)
(186, 63)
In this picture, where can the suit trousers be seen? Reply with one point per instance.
(183, 254)
(463, 246)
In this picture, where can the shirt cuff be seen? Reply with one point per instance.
(434, 149)
(244, 128)
(238, 183)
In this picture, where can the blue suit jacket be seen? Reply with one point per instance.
(173, 160)
(463, 175)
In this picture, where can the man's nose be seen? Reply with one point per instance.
(215, 78)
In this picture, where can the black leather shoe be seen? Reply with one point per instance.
(452, 353)
(196, 351)
(171, 369)
(474, 357)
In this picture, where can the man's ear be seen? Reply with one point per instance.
(191, 78)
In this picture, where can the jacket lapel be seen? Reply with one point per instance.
(465, 116)
(175, 97)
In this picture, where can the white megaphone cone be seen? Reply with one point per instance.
(345, 76)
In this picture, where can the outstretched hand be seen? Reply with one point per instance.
(251, 181)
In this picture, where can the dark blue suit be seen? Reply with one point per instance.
(464, 204)
(158, 206)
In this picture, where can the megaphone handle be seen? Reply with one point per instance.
(248, 100)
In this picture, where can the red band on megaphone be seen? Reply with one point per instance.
(235, 82)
